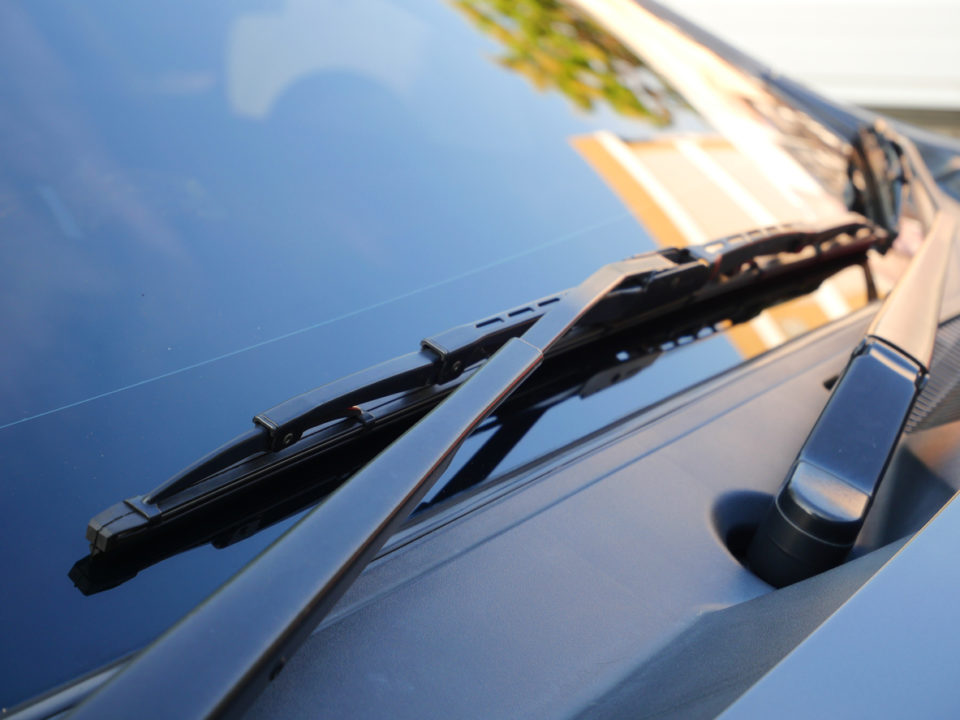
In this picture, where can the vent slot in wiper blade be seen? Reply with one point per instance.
(417, 381)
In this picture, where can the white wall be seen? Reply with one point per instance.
(890, 53)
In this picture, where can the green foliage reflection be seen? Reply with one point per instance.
(556, 46)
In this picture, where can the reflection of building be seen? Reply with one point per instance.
(688, 189)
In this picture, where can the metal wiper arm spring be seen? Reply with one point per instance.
(291, 586)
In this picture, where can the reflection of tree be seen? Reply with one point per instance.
(556, 46)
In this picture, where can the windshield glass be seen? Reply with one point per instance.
(207, 209)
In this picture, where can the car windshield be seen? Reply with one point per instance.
(207, 209)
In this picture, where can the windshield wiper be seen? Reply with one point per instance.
(346, 410)
(284, 489)
(253, 624)
(817, 514)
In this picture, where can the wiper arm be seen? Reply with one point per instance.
(417, 381)
(253, 624)
(816, 516)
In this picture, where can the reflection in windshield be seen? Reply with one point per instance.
(688, 189)
(684, 188)
(267, 53)
(557, 47)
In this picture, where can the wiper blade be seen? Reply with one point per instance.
(280, 597)
(413, 383)
(283, 489)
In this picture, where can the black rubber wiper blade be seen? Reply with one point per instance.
(328, 458)
(254, 623)
(423, 378)
(284, 424)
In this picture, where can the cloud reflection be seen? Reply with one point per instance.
(268, 53)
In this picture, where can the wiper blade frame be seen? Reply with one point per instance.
(298, 478)
(672, 276)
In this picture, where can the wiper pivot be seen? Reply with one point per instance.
(817, 514)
